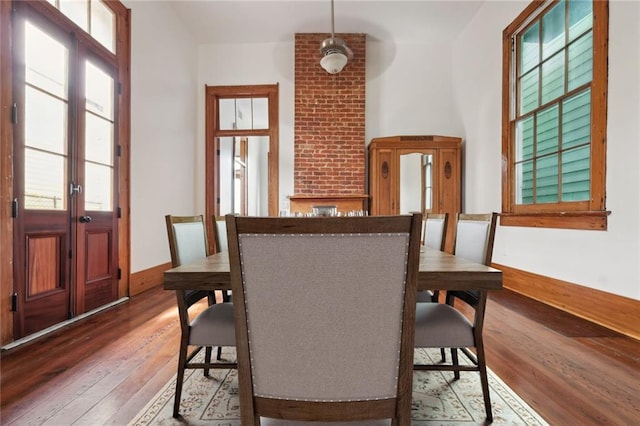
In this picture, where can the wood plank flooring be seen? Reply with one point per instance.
(104, 369)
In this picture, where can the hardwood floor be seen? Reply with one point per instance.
(104, 369)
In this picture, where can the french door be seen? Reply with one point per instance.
(65, 174)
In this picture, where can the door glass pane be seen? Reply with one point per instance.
(99, 140)
(227, 114)
(45, 179)
(45, 122)
(77, 11)
(46, 62)
(243, 113)
(97, 187)
(553, 30)
(257, 160)
(260, 113)
(226, 175)
(103, 25)
(244, 175)
(99, 91)
(240, 171)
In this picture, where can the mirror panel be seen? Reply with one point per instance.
(416, 182)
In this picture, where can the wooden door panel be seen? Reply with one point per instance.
(450, 197)
(98, 249)
(45, 301)
(44, 267)
(385, 193)
(97, 264)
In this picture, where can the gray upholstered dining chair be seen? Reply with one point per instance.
(212, 326)
(434, 235)
(441, 325)
(435, 230)
(220, 234)
(220, 241)
(306, 356)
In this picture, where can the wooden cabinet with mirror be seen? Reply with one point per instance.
(416, 173)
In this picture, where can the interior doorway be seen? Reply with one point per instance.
(242, 150)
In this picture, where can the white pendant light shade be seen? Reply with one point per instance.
(333, 62)
(335, 52)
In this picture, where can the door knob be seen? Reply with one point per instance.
(85, 219)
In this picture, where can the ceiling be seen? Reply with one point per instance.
(264, 21)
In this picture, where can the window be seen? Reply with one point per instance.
(554, 115)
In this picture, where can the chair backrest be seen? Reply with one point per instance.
(435, 230)
(220, 234)
(474, 236)
(297, 341)
(187, 239)
(474, 241)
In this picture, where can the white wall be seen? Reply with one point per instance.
(602, 260)
(163, 129)
(242, 64)
(409, 90)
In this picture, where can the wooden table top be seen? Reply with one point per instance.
(438, 271)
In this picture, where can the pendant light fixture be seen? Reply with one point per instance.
(335, 52)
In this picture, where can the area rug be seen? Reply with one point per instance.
(437, 399)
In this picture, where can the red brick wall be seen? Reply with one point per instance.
(329, 144)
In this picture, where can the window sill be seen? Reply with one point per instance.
(588, 220)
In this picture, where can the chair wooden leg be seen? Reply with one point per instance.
(484, 380)
(207, 359)
(443, 355)
(219, 356)
(454, 361)
(182, 361)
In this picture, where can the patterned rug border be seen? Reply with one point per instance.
(149, 414)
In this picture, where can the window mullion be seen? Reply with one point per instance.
(540, 61)
(560, 115)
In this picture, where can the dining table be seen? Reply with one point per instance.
(438, 270)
